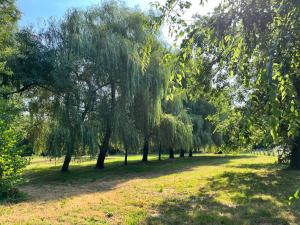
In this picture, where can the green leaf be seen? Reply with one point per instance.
(292, 108)
(184, 55)
(296, 195)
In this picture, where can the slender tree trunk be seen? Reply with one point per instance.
(70, 148)
(171, 153)
(126, 154)
(159, 152)
(105, 144)
(182, 153)
(65, 166)
(68, 156)
(191, 153)
(145, 150)
(295, 155)
(101, 158)
(295, 147)
(103, 150)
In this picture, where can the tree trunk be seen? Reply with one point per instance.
(295, 155)
(101, 158)
(191, 153)
(145, 150)
(159, 152)
(295, 147)
(126, 154)
(70, 148)
(65, 166)
(109, 126)
(171, 153)
(103, 150)
(181, 153)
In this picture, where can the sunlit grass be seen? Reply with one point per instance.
(207, 189)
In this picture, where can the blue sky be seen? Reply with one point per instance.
(34, 12)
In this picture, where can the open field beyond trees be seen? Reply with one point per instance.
(205, 189)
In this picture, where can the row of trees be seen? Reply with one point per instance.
(95, 80)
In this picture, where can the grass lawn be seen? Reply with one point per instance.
(206, 189)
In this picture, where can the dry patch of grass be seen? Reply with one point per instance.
(206, 189)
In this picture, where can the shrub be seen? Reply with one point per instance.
(11, 160)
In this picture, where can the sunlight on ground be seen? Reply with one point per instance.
(206, 189)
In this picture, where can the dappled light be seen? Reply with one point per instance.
(201, 190)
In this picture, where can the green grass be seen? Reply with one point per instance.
(206, 189)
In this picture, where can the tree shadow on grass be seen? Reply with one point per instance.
(235, 198)
(44, 184)
(114, 170)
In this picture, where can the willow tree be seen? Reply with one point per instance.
(185, 135)
(79, 86)
(174, 134)
(76, 90)
(147, 102)
(174, 107)
(127, 136)
(89, 63)
(115, 34)
(95, 52)
(51, 64)
(204, 133)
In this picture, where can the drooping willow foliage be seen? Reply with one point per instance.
(204, 134)
(148, 99)
(174, 134)
(176, 129)
(91, 87)
(70, 134)
(98, 53)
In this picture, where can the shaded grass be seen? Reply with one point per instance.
(235, 198)
(206, 189)
(82, 172)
